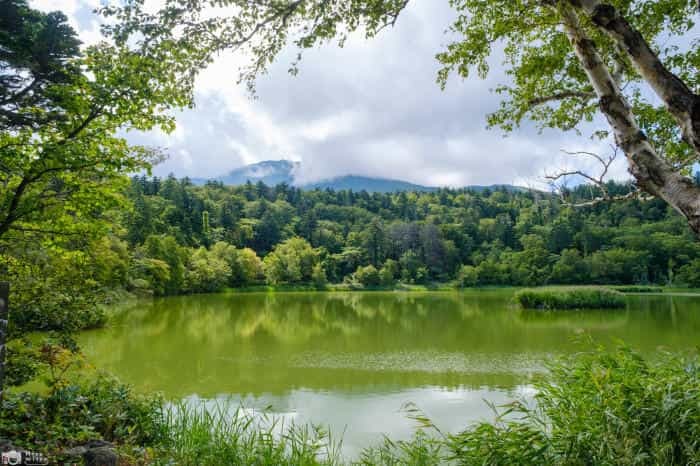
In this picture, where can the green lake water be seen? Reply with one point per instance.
(350, 361)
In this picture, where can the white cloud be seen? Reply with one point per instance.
(370, 108)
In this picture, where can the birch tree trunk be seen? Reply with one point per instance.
(680, 101)
(652, 172)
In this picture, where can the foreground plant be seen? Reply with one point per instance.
(599, 407)
(226, 434)
(73, 414)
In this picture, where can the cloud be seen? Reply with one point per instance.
(370, 108)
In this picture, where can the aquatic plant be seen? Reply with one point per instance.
(224, 434)
(570, 298)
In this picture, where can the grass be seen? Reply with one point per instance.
(220, 435)
(588, 297)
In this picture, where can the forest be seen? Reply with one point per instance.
(182, 238)
(177, 238)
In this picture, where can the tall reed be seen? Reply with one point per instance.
(588, 297)
(218, 434)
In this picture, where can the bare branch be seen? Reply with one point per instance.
(599, 180)
(585, 96)
(634, 194)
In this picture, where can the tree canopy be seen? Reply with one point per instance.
(64, 162)
(61, 108)
(362, 239)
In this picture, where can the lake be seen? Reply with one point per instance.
(351, 360)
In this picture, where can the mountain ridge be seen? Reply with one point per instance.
(274, 172)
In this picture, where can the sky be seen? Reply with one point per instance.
(371, 108)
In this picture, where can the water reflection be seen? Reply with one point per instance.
(255, 343)
(350, 360)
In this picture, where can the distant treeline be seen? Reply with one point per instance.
(185, 238)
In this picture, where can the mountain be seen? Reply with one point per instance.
(270, 172)
(273, 172)
(372, 185)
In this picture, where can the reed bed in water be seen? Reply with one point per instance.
(589, 297)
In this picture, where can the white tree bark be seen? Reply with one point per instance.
(652, 173)
(680, 101)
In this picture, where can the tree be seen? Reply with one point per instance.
(689, 274)
(467, 276)
(410, 266)
(37, 52)
(570, 269)
(62, 161)
(367, 276)
(245, 267)
(533, 261)
(389, 272)
(318, 276)
(373, 241)
(167, 250)
(626, 241)
(291, 261)
(149, 275)
(250, 267)
(619, 266)
(567, 59)
(206, 272)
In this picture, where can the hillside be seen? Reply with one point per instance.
(274, 172)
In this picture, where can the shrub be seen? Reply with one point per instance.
(598, 407)
(570, 298)
(72, 414)
(367, 276)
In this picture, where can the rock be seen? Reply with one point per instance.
(98, 443)
(100, 456)
(75, 451)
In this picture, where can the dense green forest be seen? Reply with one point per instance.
(183, 238)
